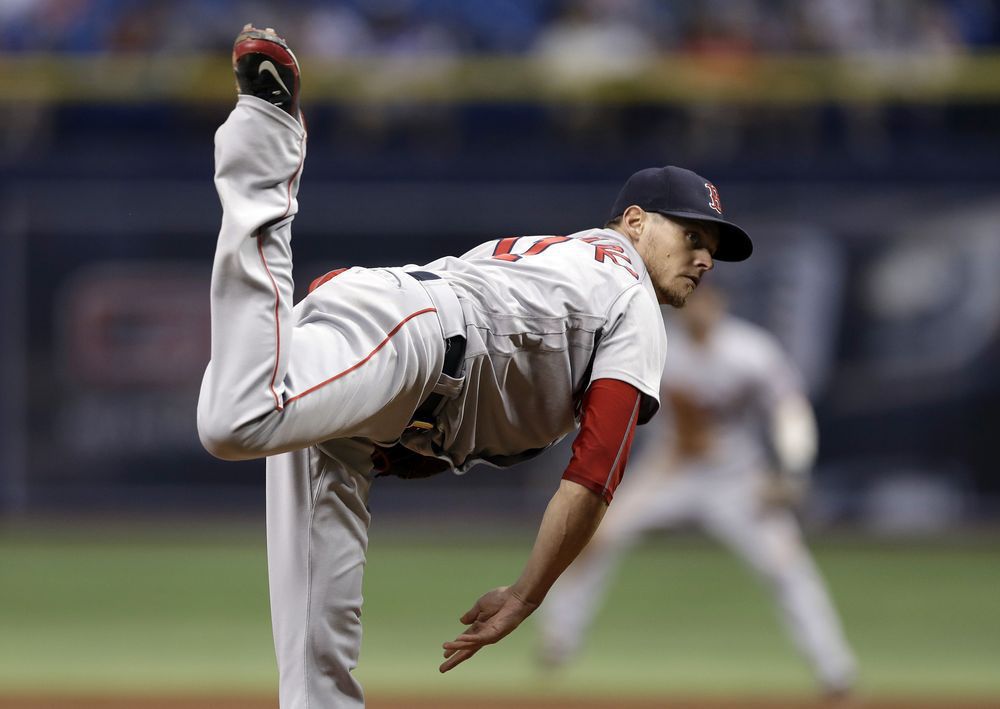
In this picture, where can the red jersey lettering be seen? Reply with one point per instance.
(504, 247)
(603, 253)
(611, 251)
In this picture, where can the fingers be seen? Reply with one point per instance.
(470, 615)
(465, 646)
(482, 629)
(466, 640)
(457, 645)
(456, 659)
(450, 648)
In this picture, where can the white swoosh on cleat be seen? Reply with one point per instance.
(267, 66)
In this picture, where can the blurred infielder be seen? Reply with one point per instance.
(491, 357)
(733, 447)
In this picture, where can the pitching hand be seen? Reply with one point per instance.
(494, 616)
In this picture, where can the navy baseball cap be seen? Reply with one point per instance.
(677, 192)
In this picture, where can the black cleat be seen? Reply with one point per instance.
(266, 68)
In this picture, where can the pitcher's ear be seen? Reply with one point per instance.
(634, 221)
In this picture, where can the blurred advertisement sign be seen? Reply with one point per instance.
(133, 340)
(137, 325)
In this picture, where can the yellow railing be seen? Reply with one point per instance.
(675, 79)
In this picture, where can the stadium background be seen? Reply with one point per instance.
(858, 142)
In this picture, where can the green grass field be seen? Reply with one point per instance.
(143, 610)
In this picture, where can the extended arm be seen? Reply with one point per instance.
(571, 518)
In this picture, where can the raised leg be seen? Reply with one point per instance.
(355, 358)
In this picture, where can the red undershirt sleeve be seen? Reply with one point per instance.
(607, 426)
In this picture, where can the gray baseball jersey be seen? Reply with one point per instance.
(545, 316)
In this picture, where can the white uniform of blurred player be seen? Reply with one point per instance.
(731, 448)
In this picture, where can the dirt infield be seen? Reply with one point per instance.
(400, 702)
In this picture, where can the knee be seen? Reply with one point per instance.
(226, 438)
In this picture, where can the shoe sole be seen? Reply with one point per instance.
(252, 40)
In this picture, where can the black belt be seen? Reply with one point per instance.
(454, 353)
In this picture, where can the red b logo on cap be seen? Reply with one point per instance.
(713, 198)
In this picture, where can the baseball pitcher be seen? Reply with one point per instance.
(490, 357)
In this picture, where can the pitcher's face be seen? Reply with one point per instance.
(677, 253)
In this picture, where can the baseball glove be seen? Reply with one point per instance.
(403, 463)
